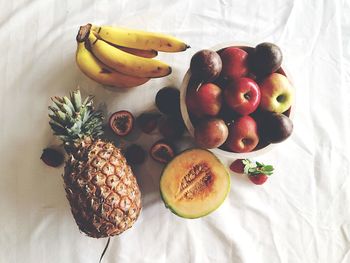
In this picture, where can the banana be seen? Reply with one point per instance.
(139, 52)
(124, 62)
(102, 74)
(140, 39)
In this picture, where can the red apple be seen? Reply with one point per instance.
(242, 95)
(192, 102)
(234, 63)
(205, 101)
(242, 135)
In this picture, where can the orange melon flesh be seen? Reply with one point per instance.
(194, 183)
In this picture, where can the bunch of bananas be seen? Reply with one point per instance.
(123, 58)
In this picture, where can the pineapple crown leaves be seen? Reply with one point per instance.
(72, 119)
(255, 168)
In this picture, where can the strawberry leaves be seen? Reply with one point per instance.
(259, 168)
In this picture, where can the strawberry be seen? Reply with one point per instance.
(258, 178)
(257, 172)
(237, 166)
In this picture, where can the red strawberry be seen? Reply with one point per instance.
(258, 178)
(257, 172)
(237, 166)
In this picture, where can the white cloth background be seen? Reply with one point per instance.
(300, 215)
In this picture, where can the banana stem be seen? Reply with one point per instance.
(83, 33)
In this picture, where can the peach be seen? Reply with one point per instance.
(211, 133)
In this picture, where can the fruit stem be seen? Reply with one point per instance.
(198, 86)
(83, 33)
(105, 249)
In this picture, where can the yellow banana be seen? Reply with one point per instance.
(139, 52)
(140, 39)
(124, 62)
(100, 73)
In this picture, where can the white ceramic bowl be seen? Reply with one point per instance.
(189, 125)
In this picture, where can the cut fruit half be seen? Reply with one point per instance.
(162, 151)
(121, 122)
(194, 183)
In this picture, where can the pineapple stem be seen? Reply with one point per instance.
(105, 249)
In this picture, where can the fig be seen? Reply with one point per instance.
(121, 122)
(52, 157)
(206, 65)
(265, 59)
(162, 152)
(210, 133)
(148, 122)
(168, 101)
(135, 154)
(171, 128)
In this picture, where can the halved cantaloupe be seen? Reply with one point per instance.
(194, 183)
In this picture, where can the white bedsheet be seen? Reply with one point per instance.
(300, 215)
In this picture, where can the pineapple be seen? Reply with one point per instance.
(100, 186)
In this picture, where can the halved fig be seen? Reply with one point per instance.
(121, 122)
(162, 152)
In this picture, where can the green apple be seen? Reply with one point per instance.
(277, 93)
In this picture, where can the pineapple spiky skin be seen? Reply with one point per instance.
(102, 191)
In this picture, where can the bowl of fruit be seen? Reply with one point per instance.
(237, 99)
